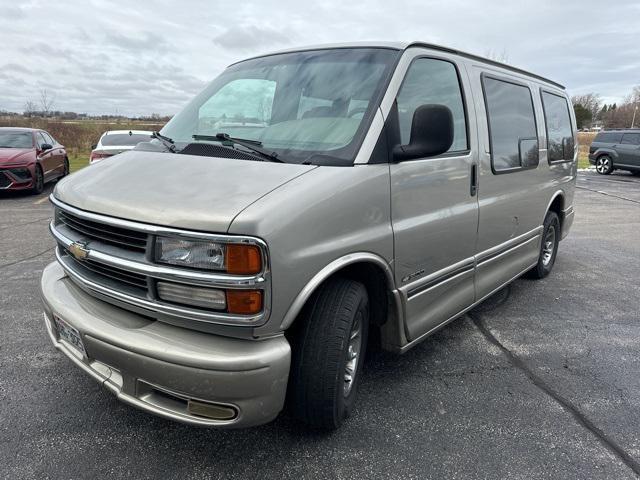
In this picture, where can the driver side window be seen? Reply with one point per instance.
(432, 81)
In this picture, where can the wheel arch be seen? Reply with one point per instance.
(557, 205)
(368, 268)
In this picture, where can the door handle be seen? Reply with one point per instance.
(473, 188)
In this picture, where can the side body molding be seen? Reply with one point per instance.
(333, 267)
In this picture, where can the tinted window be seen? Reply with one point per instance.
(607, 137)
(48, 138)
(558, 125)
(512, 125)
(631, 138)
(123, 139)
(40, 139)
(431, 81)
(15, 140)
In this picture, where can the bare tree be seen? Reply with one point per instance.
(46, 101)
(590, 101)
(30, 108)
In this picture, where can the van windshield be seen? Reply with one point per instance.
(299, 105)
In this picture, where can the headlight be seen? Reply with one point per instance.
(238, 259)
(190, 253)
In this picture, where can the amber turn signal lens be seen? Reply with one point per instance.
(243, 259)
(244, 302)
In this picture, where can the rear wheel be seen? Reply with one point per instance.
(636, 173)
(604, 165)
(328, 351)
(38, 181)
(548, 248)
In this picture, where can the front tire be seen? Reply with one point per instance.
(604, 165)
(328, 352)
(548, 247)
(38, 181)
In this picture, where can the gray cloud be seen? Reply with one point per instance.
(103, 56)
(250, 37)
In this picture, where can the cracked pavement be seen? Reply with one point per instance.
(540, 381)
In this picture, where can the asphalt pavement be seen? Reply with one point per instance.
(540, 381)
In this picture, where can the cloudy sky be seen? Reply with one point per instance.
(139, 57)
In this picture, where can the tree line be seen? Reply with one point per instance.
(589, 108)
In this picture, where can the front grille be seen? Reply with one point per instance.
(99, 272)
(118, 236)
(4, 181)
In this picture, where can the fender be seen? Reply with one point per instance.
(330, 269)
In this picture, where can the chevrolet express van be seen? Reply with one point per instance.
(305, 204)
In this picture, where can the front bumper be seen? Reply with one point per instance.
(165, 369)
(18, 177)
(592, 159)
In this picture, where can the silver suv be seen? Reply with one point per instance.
(305, 206)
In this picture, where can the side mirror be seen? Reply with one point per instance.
(93, 147)
(46, 146)
(431, 133)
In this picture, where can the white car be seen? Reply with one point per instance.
(117, 141)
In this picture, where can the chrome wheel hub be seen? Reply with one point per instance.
(602, 164)
(353, 354)
(549, 246)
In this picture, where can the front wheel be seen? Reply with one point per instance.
(548, 247)
(328, 352)
(38, 181)
(604, 165)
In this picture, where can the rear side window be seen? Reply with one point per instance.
(432, 81)
(607, 137)
(631, 138)
(558, 125)
(513, 137)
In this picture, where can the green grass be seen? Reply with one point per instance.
(77, 160)
(583, 161)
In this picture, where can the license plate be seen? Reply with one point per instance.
(69, 335)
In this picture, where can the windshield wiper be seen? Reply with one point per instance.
(166, 141)
(253, 145)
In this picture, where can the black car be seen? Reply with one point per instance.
(616, 150)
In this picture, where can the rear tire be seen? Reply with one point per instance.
(548, 247)
(328, 351)
(604, 165)
(636, 173)
(38, 181)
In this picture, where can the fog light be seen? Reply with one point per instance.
(195, 296)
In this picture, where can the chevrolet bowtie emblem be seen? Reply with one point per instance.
(78, 250)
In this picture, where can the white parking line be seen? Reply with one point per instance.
(42, 200)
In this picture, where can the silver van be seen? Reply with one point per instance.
(305, 206)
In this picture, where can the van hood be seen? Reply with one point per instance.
(174, 190)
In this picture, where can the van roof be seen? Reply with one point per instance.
(404, 46)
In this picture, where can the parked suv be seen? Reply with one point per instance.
(616, 150)
(304, 205)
